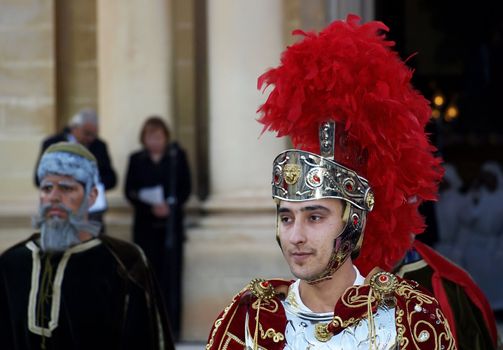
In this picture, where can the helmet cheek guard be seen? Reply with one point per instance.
(347, 244)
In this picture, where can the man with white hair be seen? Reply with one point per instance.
(67, 288)
(83, 129)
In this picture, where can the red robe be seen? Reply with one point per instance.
(261, 300)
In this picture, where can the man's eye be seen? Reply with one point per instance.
(315, 217)
(67, 188)
(284, 219)
(46, 188)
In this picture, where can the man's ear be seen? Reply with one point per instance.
(92, 196)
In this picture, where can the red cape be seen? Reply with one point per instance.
(443, 268)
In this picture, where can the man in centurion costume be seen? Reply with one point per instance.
(357, 125)
(67, 288)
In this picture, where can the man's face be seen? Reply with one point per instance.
(85, 133)
(57, 189)
(307, 231)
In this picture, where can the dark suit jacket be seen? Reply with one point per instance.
(98, 148)
(172, 173)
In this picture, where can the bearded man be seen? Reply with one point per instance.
(66, 287)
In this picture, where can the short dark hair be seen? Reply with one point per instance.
(154, 123)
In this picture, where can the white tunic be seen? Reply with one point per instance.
(301, 321)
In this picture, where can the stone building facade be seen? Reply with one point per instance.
(194, 62)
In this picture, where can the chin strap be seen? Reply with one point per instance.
(329, 270)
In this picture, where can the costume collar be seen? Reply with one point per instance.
(294, 300)
(46, 329)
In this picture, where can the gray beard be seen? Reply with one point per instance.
(57, 234)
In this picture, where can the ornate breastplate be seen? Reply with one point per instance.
(301, 330)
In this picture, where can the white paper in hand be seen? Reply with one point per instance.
(151, 195)
(101, 200)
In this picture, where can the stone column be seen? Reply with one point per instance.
(76, 76)
(27, 108)
(134, 73)
(339, 9)
(244, 40)
(235, 240)
(315, 15)
(27, 96)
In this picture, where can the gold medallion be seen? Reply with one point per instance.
(291, 173)
(383, 284)
(262, 289)
(321, 332)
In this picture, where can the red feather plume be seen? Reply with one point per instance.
(349, 73)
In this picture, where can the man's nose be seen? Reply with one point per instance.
(298, 235)
(54, 195)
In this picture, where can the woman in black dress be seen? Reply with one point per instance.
(158, 185)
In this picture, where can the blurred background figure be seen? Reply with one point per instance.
(451, 221)
(83, 129)
(157, 185)
(489, 185)
(482, 247)
(451, 213)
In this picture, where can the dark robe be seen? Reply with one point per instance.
(161, 239)
(100, 294)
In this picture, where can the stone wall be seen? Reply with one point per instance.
(77, 73)
(27, 91)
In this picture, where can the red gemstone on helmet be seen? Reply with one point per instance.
(349, 187)
(316, 179)
(264, 284)
(355, 220)
(276, 178)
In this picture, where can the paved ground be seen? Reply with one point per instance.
(189, 346)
